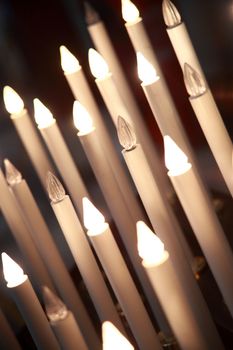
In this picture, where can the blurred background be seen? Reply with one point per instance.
(30, 35)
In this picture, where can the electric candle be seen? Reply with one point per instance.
(109, 187)
(179, 37)
(62, 322)
(113, 339)
(211, 122)
(27, 133)
(170, 292)
(60, 153)
(117, 105)
(165, 224)
(46, 246)
(118, 275)
(28, 304)
(82, 92)
(7, 338)
(82, 254)
(11, 212)
(202, 218)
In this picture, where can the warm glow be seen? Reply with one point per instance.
(176, 160)
(150, 247)
(146, 71)
(130, 12)
(98, 65)
(82, 119)
(113, 339)
(12, 272)
(42, 114)
(69, 62)
(13, 102)
(94, 221)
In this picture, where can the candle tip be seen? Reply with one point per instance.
(42, 114)
(126, 134)
(13, 102)
(55, 189)
(195, 84)
(13, 273)
(91, 16)
(171, 15)
(113, 339)
(82, 119)
(56, 310)
(13, 176)
(130, 12)
(150, 247)
(146, 71)
(98, 65)
(176, 160)
(69, 62)
(94, 221)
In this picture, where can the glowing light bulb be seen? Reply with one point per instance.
(146, 71)
(55, 189)
(130, 12)
(194, 83)
(69, 62)
(42, 114)
(171, 15)
(82, 119)
(98, 65)
(176, 160)
(12, 272)
(13, 176)
(150, 247)
(56, 310)
(13, 102)
(94, 221)
(126, 134)
(113, 339)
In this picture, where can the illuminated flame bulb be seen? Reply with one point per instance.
(146, 71)
(42, 114)
(12, 272)
(94, 221)
(129, 11)
(13, 102)
(69, 62)
(150, 247)
(98, 65)
(82, 119)
(113, 339)
(176, 160)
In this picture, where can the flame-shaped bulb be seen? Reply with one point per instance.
(126, 134)
(82, 119)
(55, 189)
(146, 71)
(91, 16)
(13, 273)
(98, 65)
(113, 339)
(69, 62)
(94, 221)
(176, 160)
(56, 310)
(171, 15)
(42, 114)
(129, 11)
(195, 84)
(13, 176)
(13, 102)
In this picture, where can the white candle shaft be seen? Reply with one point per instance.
(120, 215)
(86, 262)
(7, 338)
(166, 227)
(125, 290)
(157, 206)
(216, 134)
(33, 145)
(65, 164)
(68, 334)
(174, 302)
(208, 231)
(54, 263)
(183, 47)
(19, 229)
(82, 93)
(117, 107)
(34, 316)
